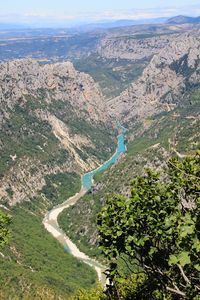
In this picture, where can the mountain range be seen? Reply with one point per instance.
(183, 20)
(103, 24)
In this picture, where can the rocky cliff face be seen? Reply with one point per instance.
(60, 81)
(140, 41)
(170, 74)
(134, 47)
(52, 121)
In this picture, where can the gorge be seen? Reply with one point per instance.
(50, 220)
(59, 120)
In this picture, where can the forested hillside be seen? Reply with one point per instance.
(53, 128)
(174, 134)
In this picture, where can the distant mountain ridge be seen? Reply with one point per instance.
(183, 19)
(102, 24)
(121, 23)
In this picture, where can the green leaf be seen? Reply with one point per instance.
(197, 267)
(184, 258)
(120, 280)
(128, 248)
(119, 233)
(196, 244)
(152, 251)
(173, 260)
(185, 230)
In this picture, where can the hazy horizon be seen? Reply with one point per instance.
(36, 13)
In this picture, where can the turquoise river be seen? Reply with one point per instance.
(50, 220)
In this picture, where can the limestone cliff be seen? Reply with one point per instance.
(169, 76)
(60, 81)
(53, 120)
(133, 47)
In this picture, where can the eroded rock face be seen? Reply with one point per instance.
(40, 106)
(23, 183)
(60, 81)
(163, 84)
(171, 72)
(140, 41)
(132, 47)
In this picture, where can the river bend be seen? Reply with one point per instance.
(50, 220)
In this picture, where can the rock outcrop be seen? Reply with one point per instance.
(164, 82)
(48, 118)
(60, 81)
(51, 108)
(133, 47)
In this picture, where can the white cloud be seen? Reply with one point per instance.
(65, 18)
(150, 13)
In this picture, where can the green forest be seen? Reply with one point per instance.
(150, 240)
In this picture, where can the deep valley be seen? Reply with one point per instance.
(64, 99)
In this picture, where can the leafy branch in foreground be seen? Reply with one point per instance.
(157, 229)
(4, 231)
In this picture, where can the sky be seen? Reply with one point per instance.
(74, 11)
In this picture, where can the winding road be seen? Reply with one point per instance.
(50, 220)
